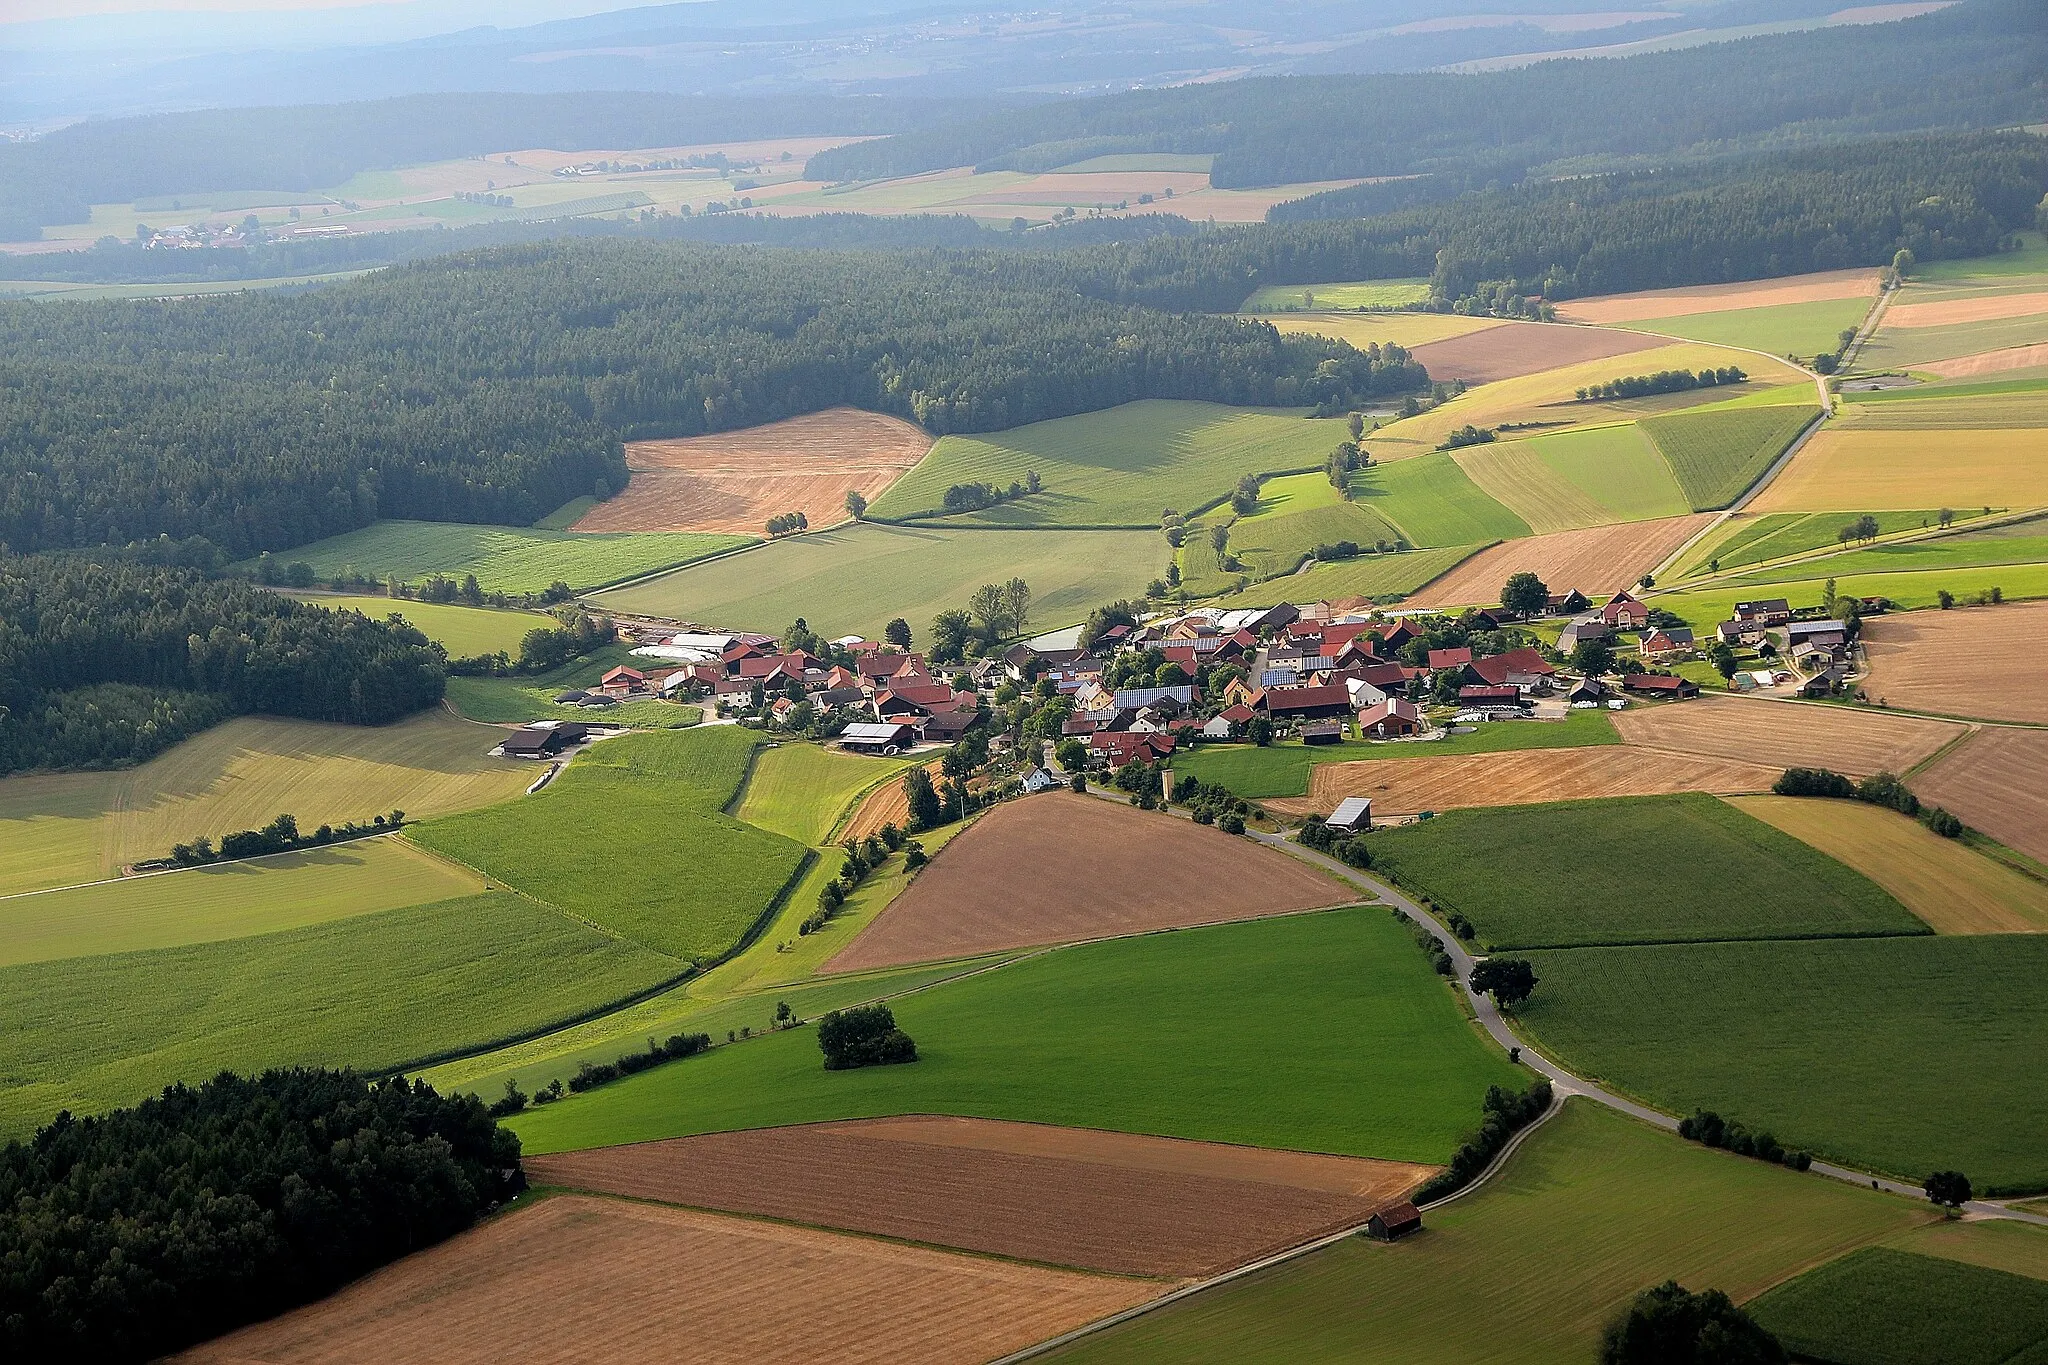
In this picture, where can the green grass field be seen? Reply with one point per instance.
(1902, 348)
(1801, 329)
(1324, 1032)
(1650, 869)
(1754, 539)
(1282, 769)
(1526, 1270)
(1383, 578)
(462, 631)
(1705, 607)
(59, 829)
(229, 900)
(1296, 513)
(800, 790)
(1881, 1306)
(1903, 1055)
(632, 838)
(1116, 468)
(1434, 502)
(1971, 550)
(1593, 476)
(500, 701)
(567, 515)
(1717, 455)
(503, 558)
(2024, 381)
(373, 991)
(855, 578)
(1936, 411)
(1289, 298)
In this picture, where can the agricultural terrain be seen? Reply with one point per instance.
(508, 559)
(463, 631)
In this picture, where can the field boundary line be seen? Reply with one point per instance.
(1911, 536)
(220, 862)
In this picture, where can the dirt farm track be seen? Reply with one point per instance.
(576, 1280)
(1115, 1202)
(1073, 867)
(732, 482)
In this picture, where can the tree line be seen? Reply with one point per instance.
(105, 662)
(133, 1234)
(496, 386)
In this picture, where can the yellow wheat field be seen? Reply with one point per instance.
(1898, 471)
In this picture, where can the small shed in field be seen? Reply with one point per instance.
(1353, 815)
(1394, 1222)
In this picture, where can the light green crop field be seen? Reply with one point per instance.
(1324, 1032)
(504, 558)
(1571, 874)
(1966, 551)
(229, 900)
(631, 838)
(2031, 259)
(1592, 1209)
(1307, 298)
(1749, 539)
(1801, 329)
(1383, 578)
(1936, 411)
(373, 991)
(62, 828)
(567, 515)
(500, 701)
(1703, 608)
(1717, 455)
(462, 631)
(1434, 502)
(800, 790)
(2031, 380)
(1901, 348)
(1593, 476)
(855, 578)
(1282, 769)
(1296, 513)
(1120, 467)
(1903, 1055)
(1882, 1306)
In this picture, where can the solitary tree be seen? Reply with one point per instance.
(1219, 539)
(1357, 425)
(1950, 1189)
(1668, 1326)
(864, 1036)
(856, 505)
(1723, 659)
(1524, 594)
(1947, 516)
(1508, 979)
(897, 633)
(1259, 730)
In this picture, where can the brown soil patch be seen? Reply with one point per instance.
(1408, 786)
(1721, 298)
(1116, 1202)
(1993, 780)
(576, 1280)
(885, 805)
(1948, 311)
(1988, 362)
(1060, 867)
(1521, 348)
(1977, 662)
(1597, 559)
(733, 482)
(1787, 735)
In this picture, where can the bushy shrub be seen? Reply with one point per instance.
(1504, 1114)
(590, 1075)
(1711, 1130)
(1813, 782)
(863, 1036)
(1941, 821)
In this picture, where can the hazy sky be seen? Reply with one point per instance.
(17, 10)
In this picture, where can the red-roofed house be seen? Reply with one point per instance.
(1523, 668)
(1118, 747)
(1449, 658)
(1624, 612)
(1308, 703)
(622, 681)
(1384, 720)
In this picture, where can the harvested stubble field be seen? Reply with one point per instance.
(1787, 735)
(1967, 308)
(1408, 786)
(731, 483)
(575, 1280)
(1721, 298)
(1899, 470)
(1518, 348)
(1365, 329)
(1965, 663)
(885, 805)
(65, 828)
(1989, 362)
(1116, 1202)
(1993, 780)
(1075, 867)
(1953, 888)
(1595, 560)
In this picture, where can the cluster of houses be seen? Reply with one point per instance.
(1819, 652)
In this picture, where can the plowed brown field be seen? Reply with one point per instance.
(1520, 348)
(1598, 559)
(1786, 735)
(734, 481)
(1407, 786)
(1944, 312)
(1060, 867)
(1067, 1196)
(1994, 781)
(885, 805)
(1962, 663)
(1721, 298)
(577, 1280)
(1988, 362)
